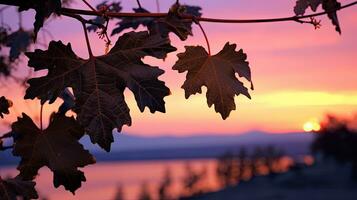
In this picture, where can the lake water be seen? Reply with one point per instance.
(103, 179)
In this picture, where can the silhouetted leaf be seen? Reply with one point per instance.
(302, 5)
(327, 5)
(68, 102)
(18, 42)
(133, 22)
(172, 23)
(3, 36)
(98, 83)
(217, 73)
(112, 7)
(4, 67)
(43, 8)
(12, 188)
(5, 104)
(56, 147)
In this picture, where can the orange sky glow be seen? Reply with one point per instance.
(299, 73)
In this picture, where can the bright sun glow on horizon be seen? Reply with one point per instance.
(312, 125)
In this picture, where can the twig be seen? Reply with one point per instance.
(138, 2)
(312, 21)
(81, 19)
(90, 6)
(6, 135)
(204, 19)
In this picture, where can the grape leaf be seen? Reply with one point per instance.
(43, 8)
(327, 5)
(113, 7)
(302, 5)
(5, 68)
(5, 104)
(68, 101)
(98, 83)
(172, 23)
(217, 73)
(12, 188)
(56, 147)
(133, 22)
(3, 35)
(18, 41)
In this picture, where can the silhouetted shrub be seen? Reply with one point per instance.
(338, 139)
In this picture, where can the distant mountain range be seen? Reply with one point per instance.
(126, 142)
(130, 147)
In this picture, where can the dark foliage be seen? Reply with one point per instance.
(327, 5)
(99, 83)
(133, 22)
(56, 147)
(5, 104)
(338, 140)
(193, 181)
(18, 42)
(172, 23)
(217, 73)
(11, 189)
(164, 186)
(44, 9)
(144, 193)
(5, 68)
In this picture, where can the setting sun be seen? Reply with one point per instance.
(311, 126)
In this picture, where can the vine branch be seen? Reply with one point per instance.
(203, 19)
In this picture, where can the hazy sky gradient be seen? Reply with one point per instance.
(299, 73)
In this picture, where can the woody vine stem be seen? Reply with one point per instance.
(66, 11)
(75, 13)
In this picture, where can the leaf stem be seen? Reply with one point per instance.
(41, 117)
(204, 19)
(205, 35)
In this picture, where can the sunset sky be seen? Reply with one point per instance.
(300, 74)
